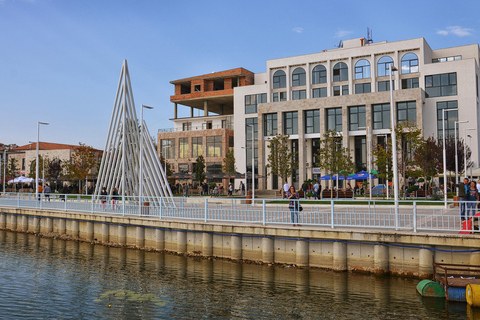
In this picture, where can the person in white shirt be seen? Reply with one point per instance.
(286, 187)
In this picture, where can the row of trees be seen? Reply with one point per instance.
(83, 165)
(416, 156)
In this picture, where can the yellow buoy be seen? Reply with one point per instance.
(472, 294)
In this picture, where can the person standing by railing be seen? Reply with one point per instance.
(462, 194)
(294, 204)
(115, 198)
(472, 198)
(47, 191)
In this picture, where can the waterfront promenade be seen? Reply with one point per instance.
(365, 236)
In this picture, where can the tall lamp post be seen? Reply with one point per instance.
(36, 164)
(456, 153)
(465, 149)
(5, 148)
(392, 68)
(253, 163)
(445, 155)
(471, 167)
(140, 182)
(165, 147)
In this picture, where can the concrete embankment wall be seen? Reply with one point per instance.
(363, 250)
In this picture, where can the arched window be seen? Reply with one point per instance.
(298, 77)
(362, 69)
(279, 79)
(319, 74)
(340, 72)
(383, 66)
(410, 63)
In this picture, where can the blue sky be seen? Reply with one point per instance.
(60, 60)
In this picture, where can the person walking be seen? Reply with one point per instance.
(316, 193)
(472, 199)
(114, 198)
(286, 188)
(103, 197)
(462, 194)
(230, 190)
(242, 187)
(293, 205)
(47, 191)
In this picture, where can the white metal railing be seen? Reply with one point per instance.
(413, 216)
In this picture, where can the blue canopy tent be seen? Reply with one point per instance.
(362, 175)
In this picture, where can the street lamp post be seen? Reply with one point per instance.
(140, 182)
(456, 154)
(4, 167)
(465, 148)
(394, 146)
(253, 163)
(471, 167)
(36, 164)
(445, 156)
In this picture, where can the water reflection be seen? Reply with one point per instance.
(47, 278)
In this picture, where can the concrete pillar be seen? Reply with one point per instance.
(13, 222)
(205, 108)
(62, 226)
(339, 256)
(49, 225)
(3, 221)
(302, 248)
(160, 236)
(207, 244)
(191, 112)
(24, 223)
(236, 248)
(75, 228)
(268, 252)
(89, 232)
(181, 242)
(425, 263)
(175, 110)
(105, 232)
(140, 241)
(36, 225)
(122, 235)
(380, 259)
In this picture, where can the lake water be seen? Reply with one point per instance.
(45, 278)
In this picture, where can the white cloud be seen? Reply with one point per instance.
(342, 33)
(297, 29)
(456, 31)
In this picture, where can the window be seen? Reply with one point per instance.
(23, 164)
(279, 96)
(361, 153)
(290, 122)
(315, 151)
(298, 77)
(197, 88)
(356, 118)
(252, 101)
(363, 88)
(445, 59)
(337, 92)
(214, 167)
(197, 146)
(279, 79)
(385, 85)
(168, 148)
(407, 111)
(319, 93)
(214, 146)
(231, 143)
(270, 124)
(248, 142)
(409, 63)
(312, 121)
(299, 95)
(383, 66)
(340, 72)
(440, 85)
(183, 148)
(186, 126)
(334, 119)
(319, 74)
(183, 167)
(362, 69)
(450, 118)
(381, 116)
(410, 83)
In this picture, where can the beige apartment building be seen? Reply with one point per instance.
(347, 90)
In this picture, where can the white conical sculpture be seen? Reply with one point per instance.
(120, 167)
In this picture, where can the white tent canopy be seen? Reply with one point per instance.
(23, 179)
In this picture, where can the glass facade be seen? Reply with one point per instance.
(312, 121)
(381, 116)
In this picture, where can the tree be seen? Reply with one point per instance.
(281, 161)
(229, 166)
(428, 156)
(168, 170)
(409, 137)
(200, 169)
(383, 161)
(42, 163)
(84, 159)
(12, 169)
(450, 152)
(332, 157)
